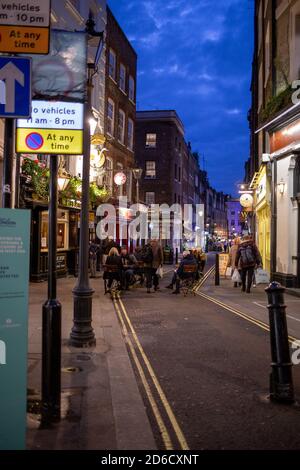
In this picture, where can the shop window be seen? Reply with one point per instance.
(62, 238)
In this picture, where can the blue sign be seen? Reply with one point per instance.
(14, 285)
(15, 87)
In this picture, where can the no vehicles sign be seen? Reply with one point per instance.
(54, 127)
(24, 26)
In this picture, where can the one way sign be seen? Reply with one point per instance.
(15, 87)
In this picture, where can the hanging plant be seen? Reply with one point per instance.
(276, 104)
(38, 177)
(98, 194)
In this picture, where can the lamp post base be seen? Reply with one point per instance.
(82, 334)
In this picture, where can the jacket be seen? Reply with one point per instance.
(232, 256)
(241, 256)
(158, 256)
(189, 260)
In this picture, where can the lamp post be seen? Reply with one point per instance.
(137, 174)
(82, 334)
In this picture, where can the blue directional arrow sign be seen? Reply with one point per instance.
(15, 87)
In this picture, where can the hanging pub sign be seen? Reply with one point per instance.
(61, 75)
(55, 127)
(25, 26)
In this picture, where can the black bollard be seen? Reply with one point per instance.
(176, 256)
(217, 274)
(281, 380)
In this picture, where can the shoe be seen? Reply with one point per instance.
(248, 291)
(156, 288)
(148, 291)
(169, 286)
(176, 292)
(243, 289)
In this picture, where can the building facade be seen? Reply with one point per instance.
(234, 218)
(275, 137)
(120, 109)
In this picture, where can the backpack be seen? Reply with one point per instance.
(248, 256)
(147, 254)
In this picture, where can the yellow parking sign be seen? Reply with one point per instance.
(49, 141)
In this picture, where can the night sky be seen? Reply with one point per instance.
(195, 56)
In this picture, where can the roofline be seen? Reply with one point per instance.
(119, 26)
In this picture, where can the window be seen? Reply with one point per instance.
(150, 169)
(122, 78)
(176, 171)
(267, 54)
(179, 174)
(108, 174)
(110, 117)
(150, 198)
(131, 91)
(121, 126)
(112, 64)
(62, 231)
(175, 198)
(233, 223)
(179, 199)
(150, 140)
(130, 134)
(233, 213)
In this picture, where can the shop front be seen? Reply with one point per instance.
(261, 185)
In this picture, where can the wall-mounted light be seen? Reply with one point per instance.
(281, 187)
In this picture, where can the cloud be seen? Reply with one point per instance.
(233, 112)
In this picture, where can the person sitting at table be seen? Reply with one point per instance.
(113, 259)
(188, 260)
(129, 263)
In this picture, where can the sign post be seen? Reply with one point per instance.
(15, 101)
(14, 282)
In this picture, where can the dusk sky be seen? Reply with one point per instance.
(195, 56)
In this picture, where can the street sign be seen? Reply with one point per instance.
(15, 87)
(25, 26)
(14, 286)
(55, 127)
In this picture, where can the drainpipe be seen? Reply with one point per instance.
(298, 254)
(274, 48)
(274, 220)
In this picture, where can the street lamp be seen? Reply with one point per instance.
(137, 174)
(82, 334)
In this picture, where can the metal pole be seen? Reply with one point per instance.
(82, 334)
(137, 191)
(8, 153)
(51, 329)
(17, 181)
(176, 256)
(281, 380)
(217, 274)
(274, 220)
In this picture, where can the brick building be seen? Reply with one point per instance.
(120, 108)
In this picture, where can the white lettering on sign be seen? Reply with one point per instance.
(2, 353)
(32, 12)
(54, 115)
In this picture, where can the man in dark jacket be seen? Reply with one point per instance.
(248, 258)
(93, 253)
(188, 260)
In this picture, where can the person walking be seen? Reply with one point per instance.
(152, 256)
(232, 256)
(249, 258)
(93, 254)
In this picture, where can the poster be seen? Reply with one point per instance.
(14, 284)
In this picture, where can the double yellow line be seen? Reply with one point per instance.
(204, 279)
(144, 367)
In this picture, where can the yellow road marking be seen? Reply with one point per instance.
(243, 315)
(163, 430)
(204, 279)
(180, 436)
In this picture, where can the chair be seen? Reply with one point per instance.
(111, 272)
(188, 279)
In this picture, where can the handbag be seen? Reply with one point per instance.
(228, 272)
(262, 276)
(160, 272)
(236, 276)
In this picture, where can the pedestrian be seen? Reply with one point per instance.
(152, 256)
(93, 253)
(249, 258)
(232, 256)
(129, 263)
(187, 260)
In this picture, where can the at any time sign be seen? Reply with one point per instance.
(24, 26)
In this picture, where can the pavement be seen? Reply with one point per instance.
(102, 408)
(168, 372)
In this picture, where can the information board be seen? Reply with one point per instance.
(14, 283)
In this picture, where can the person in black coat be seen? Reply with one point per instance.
(113, 259)
(179, 274)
